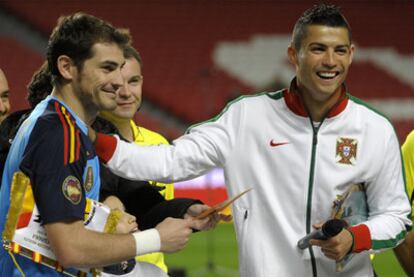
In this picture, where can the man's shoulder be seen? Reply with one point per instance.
(368, 112)
(365, 106)
(254, 102)
(50, 122)
(258, 97)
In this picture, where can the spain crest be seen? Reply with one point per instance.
(71, 189)
(346, 150)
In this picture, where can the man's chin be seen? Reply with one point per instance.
(122, 115)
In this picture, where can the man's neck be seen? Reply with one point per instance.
(67, 96)
(124, 128)
(122, 124)
(319, 109)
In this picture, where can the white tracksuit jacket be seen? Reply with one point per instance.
(267, 142)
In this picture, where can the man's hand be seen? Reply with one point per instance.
(336, 247)
(206, 223)
(174, 233)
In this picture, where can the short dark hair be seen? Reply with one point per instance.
(322, 14)
(131, 52)
(75, 35)
(40, 85)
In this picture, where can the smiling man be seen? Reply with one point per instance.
(52, 153)
(304, 150)
(129, 101)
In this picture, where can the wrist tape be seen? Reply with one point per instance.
(147, 241)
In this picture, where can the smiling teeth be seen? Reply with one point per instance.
(327, 74)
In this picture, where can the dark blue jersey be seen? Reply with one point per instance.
(52, 148)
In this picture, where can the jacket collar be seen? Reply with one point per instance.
(294, 101)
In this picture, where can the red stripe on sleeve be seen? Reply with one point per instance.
(362, 238)
(105, 146)
(65, 133)
(77, 145)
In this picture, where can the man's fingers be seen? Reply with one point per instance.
(198, 224)
(226, 218)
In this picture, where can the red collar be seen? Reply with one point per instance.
(294, 101)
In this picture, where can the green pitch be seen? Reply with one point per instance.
(209, 254)
(214, 254)
(386, 265)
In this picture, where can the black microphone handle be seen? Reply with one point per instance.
(329, 229)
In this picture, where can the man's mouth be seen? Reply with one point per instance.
(125, 103)
(327, 75)
(109, 91)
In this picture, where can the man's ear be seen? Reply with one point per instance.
(292, 55)
(352, 51)
(66, 67)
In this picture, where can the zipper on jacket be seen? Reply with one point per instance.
(315, 130)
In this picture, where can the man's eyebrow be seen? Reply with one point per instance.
(343, 45)
(325, 45)
(109, 62)
(137, 76)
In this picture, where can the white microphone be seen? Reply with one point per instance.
(329, 229)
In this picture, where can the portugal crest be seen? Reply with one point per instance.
(346, 150)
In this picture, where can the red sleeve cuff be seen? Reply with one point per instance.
(362, 238)
(105, 146)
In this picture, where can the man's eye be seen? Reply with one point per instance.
(135, 81)
(317, 49)
(341, 51)
(108, 68)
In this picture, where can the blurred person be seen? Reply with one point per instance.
(9, 126)
(52, 151)
(129, 101)
(40, 86)
(302, 149)
(4, 111)
(4, 96)
(140, 198)
(405, 251)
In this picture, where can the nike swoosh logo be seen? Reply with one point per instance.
(275, 144)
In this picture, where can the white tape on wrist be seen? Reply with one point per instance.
(147, 241)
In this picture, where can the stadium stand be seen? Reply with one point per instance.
(178, 40)
(18, 62)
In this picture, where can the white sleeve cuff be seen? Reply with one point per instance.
(147, 241)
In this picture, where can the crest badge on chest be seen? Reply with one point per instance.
(346, 150)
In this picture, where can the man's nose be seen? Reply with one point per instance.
(117, 81)
(329, 59)
(124, 91)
